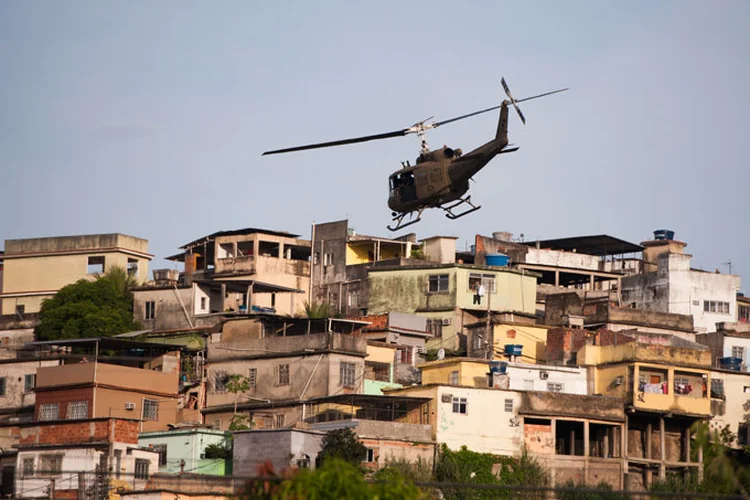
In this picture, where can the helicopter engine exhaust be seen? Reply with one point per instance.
(448, 152)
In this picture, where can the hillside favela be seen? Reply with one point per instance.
(261, 356)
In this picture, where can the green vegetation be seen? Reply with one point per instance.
(317, 310)
(218, 451)
(342, 444)
(603, 491)
(98, 308)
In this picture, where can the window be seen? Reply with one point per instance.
(453, 379)
(150, 309)
(132, 267)
(438, 283)
(486, 280)
(220, 379)
(282, 374)
(405, 355)
(279, 421)
(717, 388)
(509, 405)
(435, 327)
(460, 405)
(370, 455)
(95, 265)
(742, 432)
(555, 387)
(27, 468)
(352, 299)
(50, 465)
(20, 309)
(29, 382)
(328, 259)
(252, 377)
(2, 386)
(478, 340)
(77, 410)
(743, 313)
(348, 374)
(738, 352)
(150, 409)
(716, 306)
(203, 303)
(49, 411)
(162, 450)
(141, 468)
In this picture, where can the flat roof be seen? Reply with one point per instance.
(237, 232)
(599, 245)
(242, 285)
(106, 343)
(366, 399)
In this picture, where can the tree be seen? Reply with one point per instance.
(317, 310)
(343, 444)
(99, 308)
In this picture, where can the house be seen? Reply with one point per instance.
(730, 345)
(505, 336)
(670, 285)
(407, 332)
(35, 268)
(271, 268)
(95, 389)
(390, 428)
(447, 295)
(468, 372)
(729, 404)
(665, 382)
(17, 385)
(342, 258)
(183, 449)
(72, 459)
(380, 368)
(285, 361)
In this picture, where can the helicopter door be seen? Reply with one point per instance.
(408, 189)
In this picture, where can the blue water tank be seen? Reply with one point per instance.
(498, 367)
(497, 259)
(663, 234)
(730, 363)
(513, 349)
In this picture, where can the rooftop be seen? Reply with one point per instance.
(599, 245)
(237, 232)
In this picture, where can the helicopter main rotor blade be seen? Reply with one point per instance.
(387, 135)
(451, 120)
(542, 95)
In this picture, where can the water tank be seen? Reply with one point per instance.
(513, 349)
(497, 259)
(502, 236)
(498, 367)
(731, 363)
(663, 234)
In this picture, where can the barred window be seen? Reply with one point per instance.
(77, 410)
(150, 409)
(50, 465)
(220, 379)
(27, 469)
(555, 387)
(162, 450)
(282, 374)
(2, 386)
(141, 468)
(252, 377)
(29, 382)
(509, 405)
(348, 374)
(49, 411)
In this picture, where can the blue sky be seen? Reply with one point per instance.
(149, 118)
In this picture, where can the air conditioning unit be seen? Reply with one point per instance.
(446, 321)
(130, 406)
(543, 375)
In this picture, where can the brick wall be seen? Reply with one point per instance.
(80, 431)
(563, 342)
(63, 398)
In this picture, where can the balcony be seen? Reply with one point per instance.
(667, 389)
(249, 264)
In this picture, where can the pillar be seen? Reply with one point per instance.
(663, 449)
(557, 278)
(686, 438)
(223, 297)
(647, 451)
(586, 439)
(572, 443)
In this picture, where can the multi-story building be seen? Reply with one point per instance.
(342, 258)
(670, 285)
(285, 361)
(260, 268)
(505, 336)
(665, 382)
(73, 459)
(448, 295)
(36, 268)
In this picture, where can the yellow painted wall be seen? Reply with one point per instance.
(672, 402)
(513, 291)
(379, 354)
(358, 254)
(532, 338)
(470, 373)
(605, 380)
(52, 272)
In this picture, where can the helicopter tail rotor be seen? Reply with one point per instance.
(515, 101)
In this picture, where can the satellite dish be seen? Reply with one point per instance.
(441, 354)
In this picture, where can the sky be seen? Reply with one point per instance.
(149, 117)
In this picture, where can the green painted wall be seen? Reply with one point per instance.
(188, 445)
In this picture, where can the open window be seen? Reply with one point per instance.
(95, 265)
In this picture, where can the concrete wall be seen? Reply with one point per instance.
(12, 340)
(187, 445)
(470, 373)
(558, 258)
(36, 268)
(527, 377)
(169, 303)
(14, 372)
(282, 448)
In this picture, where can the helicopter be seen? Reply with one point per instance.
(440, 177)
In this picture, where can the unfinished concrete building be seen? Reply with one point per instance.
(270, 269)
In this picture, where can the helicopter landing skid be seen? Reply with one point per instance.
(449, 210)
(399, 219)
